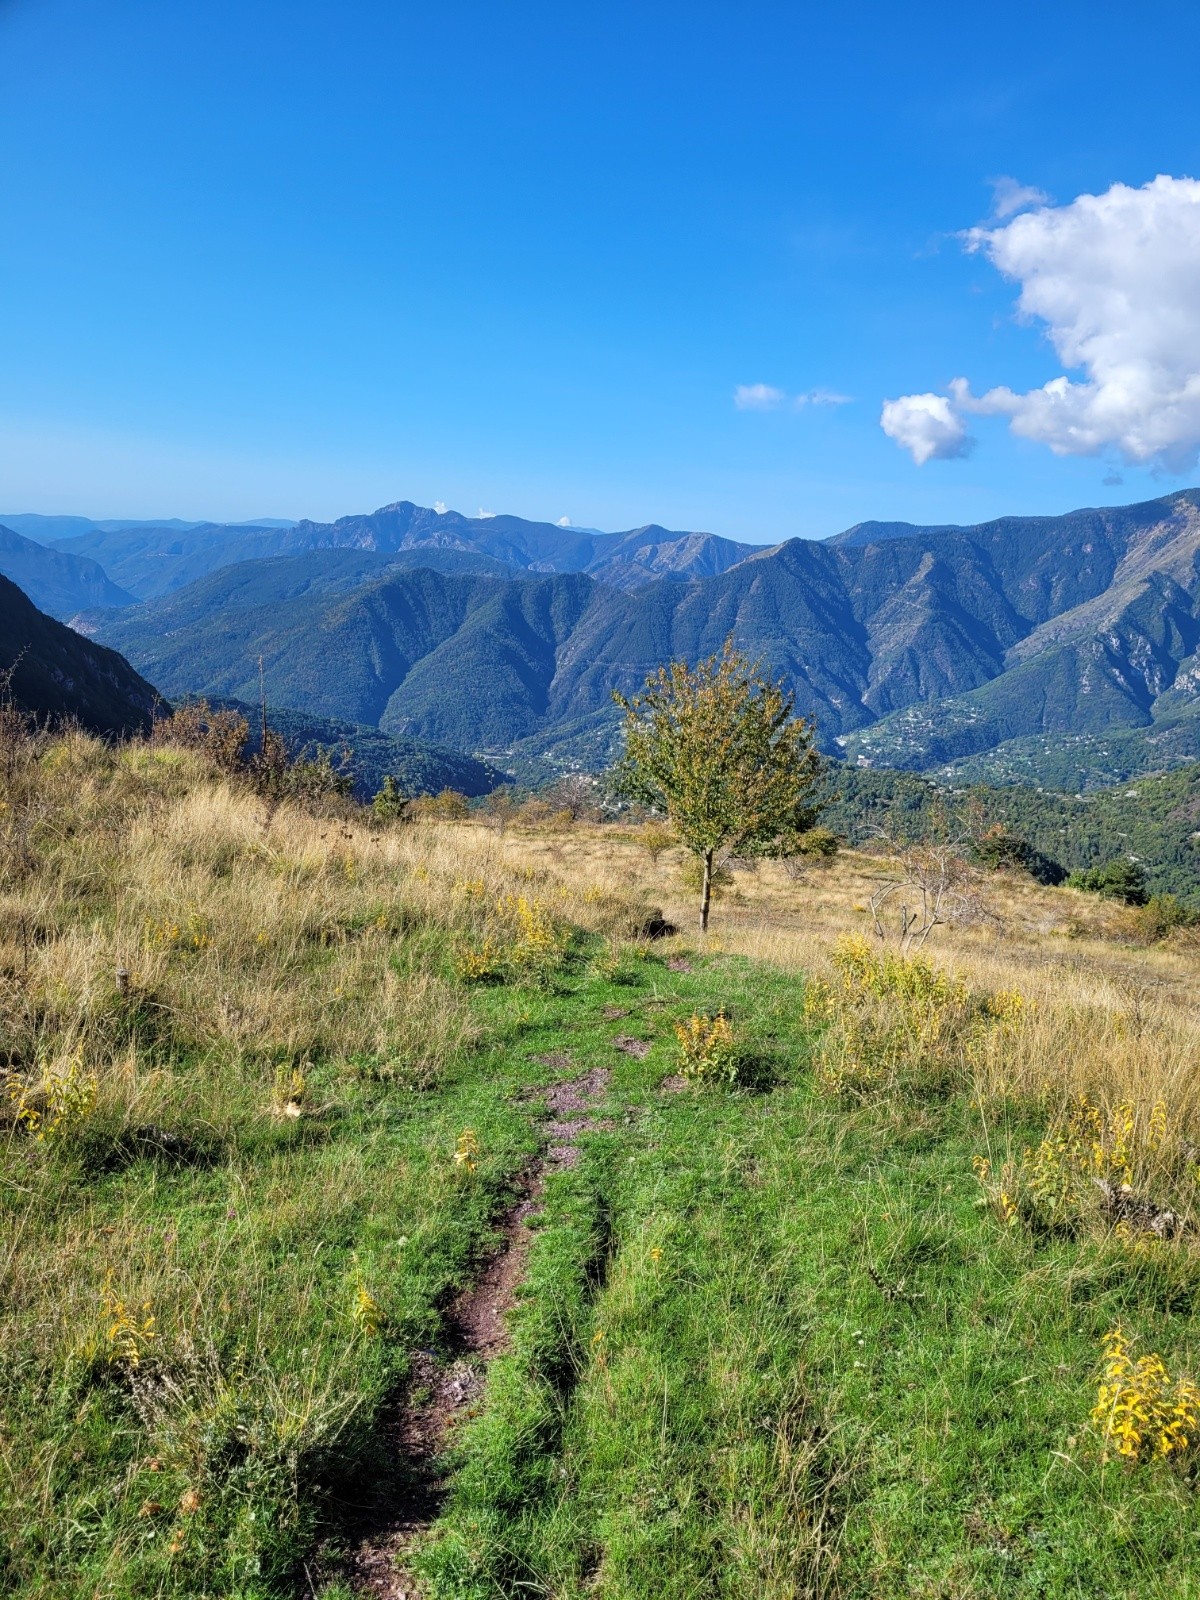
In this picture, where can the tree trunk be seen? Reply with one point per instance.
(706, 891)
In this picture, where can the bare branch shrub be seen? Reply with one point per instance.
(933, 885)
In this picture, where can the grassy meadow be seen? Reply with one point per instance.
(825, 1317)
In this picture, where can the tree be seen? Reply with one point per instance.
(1121, 879)
(388, 803)
(717, 750)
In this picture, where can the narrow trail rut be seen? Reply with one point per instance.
(440, 1393)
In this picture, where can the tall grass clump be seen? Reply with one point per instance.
(891, 1020)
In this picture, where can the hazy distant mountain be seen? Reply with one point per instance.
(150, 560)
(912, 647)
(46, 529)
(153, 559)
(56, 674)
(58, 583)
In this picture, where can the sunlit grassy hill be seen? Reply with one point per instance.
(817, 1312)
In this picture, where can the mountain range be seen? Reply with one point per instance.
(1061, 650)
(913, 647)
(149, 560)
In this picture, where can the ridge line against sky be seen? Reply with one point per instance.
(676, 264)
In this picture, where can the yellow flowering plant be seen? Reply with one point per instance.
(706, 1049)
(1141, 1412)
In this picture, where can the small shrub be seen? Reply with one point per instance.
(366, 1313)
(691, 875)
(1122, 880)
(1161, 916)
(446, 806)
(620, 962)
(1096, 1167)
(654, 838)
(706, 1049)
(466, 1151)
(576, 797)
(480, 963)
(59, 1106)
(815, 847)
(220, 737)
(188, 933)
(1000, 1194)
(499, 808)
(129, 1332)
(1141, 1412)
(540, 942)
(388, 805)
(996, 848)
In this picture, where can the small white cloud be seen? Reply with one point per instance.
(821, 397)
(484, 515)
(763, 397)
(758, 397)
(563, 522)
(926, 425)
(1009, 197)
(440, 507)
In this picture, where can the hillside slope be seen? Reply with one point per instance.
(464, 660)
(57, 675)
(56, 582)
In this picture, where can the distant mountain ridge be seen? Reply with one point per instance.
(44, 529)
(912, 647)
(56, 582)
(151, 560)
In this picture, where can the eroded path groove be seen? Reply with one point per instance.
(440, 1393)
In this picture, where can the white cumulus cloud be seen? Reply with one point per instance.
(1114, 279)
(484, 516)
(757, 397)
(927, 425)
(440, 507)
(563, 522)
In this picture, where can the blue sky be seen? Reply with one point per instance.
(302, 259)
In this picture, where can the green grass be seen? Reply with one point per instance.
(838, 1375)
(770, 1344)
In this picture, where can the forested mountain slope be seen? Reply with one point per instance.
(55, 675)
(912, 647)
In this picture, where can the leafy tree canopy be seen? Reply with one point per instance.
(717, 749)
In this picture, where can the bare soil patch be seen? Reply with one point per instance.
(638, 1048)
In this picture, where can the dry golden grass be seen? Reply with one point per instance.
(1108, 1017)
(200, 959)
(213, 903)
